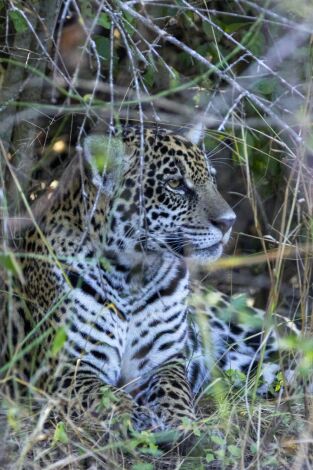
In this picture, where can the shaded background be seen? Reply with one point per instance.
(238, 71)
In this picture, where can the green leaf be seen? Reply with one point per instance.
(236, 376)
(212, 33)
(142, 466)
(105, 264)
(217, 439)
(174, 79)
(12, 417)
(297, 343)
(266, 86)
(254, 448)
(104, 20)
(86, 10)
(235, 27)
(9, 262)
(278, 383)
(107, 398)
(220, 454)
(150, 76)
(60, 434)
(58, 341)
(239, 302)
(257, 44)
(151, 449)
(103, 47)
(209, 457)
(234, 450)
(105, 154)
(128, 21)
(19, 22)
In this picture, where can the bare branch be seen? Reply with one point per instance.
(196, 56)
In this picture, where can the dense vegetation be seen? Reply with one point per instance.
(238, 72)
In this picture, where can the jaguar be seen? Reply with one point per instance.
(105, 270)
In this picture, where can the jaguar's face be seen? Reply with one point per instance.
(170, 201)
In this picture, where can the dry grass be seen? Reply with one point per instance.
(231, 433)
(240, 75)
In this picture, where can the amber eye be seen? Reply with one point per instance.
(174, 183)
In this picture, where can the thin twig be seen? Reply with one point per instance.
(199, 58)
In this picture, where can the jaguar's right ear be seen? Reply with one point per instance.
(106, 156)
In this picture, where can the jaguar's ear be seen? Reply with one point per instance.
(106, 156)
(195, 134)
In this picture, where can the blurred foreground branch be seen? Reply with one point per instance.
(34, 37)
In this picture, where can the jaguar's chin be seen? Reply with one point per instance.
(183, 248)
(207, 254)
(200, 254)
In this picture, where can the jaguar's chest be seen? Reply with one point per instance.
(154, 333)
(128, 330)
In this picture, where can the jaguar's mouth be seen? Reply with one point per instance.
(209, 249)
(185, 248)
(189, 250)
(210, 253)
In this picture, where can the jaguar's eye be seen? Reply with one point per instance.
(174, 183)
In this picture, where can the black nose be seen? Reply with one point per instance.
(225, 222)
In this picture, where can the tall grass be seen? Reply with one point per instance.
(240, 75)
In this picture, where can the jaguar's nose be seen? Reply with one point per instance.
(225, 221)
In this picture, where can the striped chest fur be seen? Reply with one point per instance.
(124, 326)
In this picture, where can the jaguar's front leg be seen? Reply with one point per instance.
(168, 394)
(90, 400)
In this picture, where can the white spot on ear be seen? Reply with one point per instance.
(195, 134)
(189, 183)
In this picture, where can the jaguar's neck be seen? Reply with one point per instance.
(131, 271)
(146, 275)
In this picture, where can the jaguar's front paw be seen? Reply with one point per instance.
(144, 419)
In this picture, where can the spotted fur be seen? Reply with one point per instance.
(230, 340)
(111, 271)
